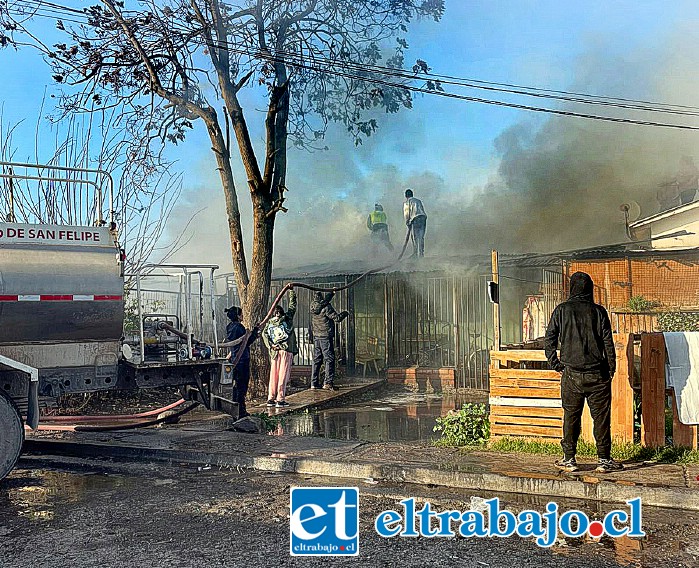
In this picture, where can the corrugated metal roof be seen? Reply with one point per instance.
(459, 265)
(356, 267)
(480, 264)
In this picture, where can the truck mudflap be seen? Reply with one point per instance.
(33, 392)
(33, 405)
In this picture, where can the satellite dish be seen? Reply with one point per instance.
(632, 210)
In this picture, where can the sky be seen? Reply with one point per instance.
(489, 176)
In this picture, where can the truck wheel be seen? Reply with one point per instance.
(11, 434)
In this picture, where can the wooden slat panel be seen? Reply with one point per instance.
(526, 392)
(530, 439)
(622, 395)
(586, 425)
(682, 434)
(524, 401)
(622, 389)
(535, 421)
(525, 374)
(519, 355)
(653, 389)
(537, 431)
(526, 411)
(524, 383)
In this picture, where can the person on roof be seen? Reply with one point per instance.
(416, 220)
(587, 363)
(322, 334)
(377, 223)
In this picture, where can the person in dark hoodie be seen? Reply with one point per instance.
(241, 373)
(587, 363)
(322, 334)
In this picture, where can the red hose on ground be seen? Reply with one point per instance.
(111, 427)
(112, 418)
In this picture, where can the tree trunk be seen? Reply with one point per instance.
(223, 161)
(257, 299)
(253, 288)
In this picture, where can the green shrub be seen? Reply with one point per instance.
(641, 304)
(269, 423)
(678, 321)
(468, 426)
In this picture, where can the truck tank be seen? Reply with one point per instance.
(59, 284)
(62, 309)
(61, 306)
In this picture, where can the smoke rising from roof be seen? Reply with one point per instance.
(556, 183)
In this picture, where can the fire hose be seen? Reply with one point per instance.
(243, 341)
(109, 418)
(128, 426)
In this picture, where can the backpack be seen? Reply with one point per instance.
(278, 334)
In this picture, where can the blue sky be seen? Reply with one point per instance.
(445, 143)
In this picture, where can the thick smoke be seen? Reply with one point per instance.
(556, 184)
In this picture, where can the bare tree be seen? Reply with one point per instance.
(141, 203)
(168, 63)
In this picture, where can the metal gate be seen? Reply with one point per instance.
(438, 322)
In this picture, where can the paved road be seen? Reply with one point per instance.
(90, 513)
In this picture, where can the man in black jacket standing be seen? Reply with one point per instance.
(587, 364)
(323, 320)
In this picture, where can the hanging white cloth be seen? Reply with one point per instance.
(682, 373)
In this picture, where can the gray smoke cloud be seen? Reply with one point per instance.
(557, 182)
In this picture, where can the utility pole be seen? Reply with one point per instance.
(496, 304)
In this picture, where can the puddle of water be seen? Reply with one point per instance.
(401, 416)
(35, 494)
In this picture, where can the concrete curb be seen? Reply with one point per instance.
(591, 489)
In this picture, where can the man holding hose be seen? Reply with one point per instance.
(416, 221)
(322, 333)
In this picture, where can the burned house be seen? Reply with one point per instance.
(430, 323)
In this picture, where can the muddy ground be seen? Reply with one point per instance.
(79, 513)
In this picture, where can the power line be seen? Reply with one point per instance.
(399, 73)
(402, 74)
(504, 103)
(568, 96)
(35, 9)
(56, 6)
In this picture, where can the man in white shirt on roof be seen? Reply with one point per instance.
(416, 219)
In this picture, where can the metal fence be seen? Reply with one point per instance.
(405, 320)
(303, 317)
(400, 319)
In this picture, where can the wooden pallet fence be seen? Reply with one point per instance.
(526, 402)
(653, 395)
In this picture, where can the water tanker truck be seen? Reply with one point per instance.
(62, 310)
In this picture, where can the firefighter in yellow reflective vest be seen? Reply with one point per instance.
(377, 223)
